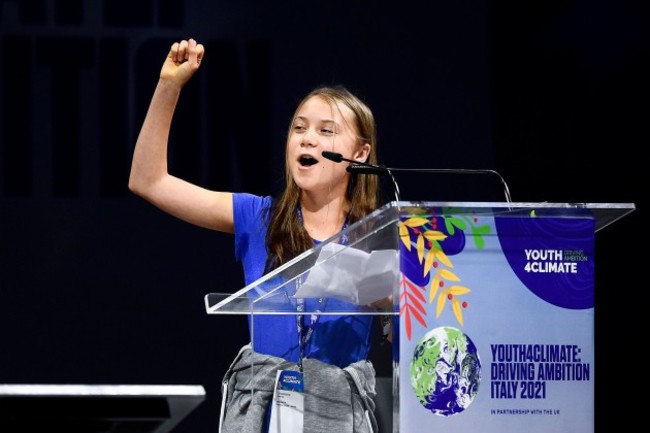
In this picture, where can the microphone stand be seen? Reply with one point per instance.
(367, 169)
(364, 168)
(359, 167)
(506, 190)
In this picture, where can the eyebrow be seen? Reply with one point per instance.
(322, 121)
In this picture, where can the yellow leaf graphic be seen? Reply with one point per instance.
(458, 290)
(442, 299)
(404, 235)
(416, 222)
(434, 235)
(420, 246)
(428, 262)
(442, 258)
(435, 285)
(448, 275)
(458, 311)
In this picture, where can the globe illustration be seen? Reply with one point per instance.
(445, 371)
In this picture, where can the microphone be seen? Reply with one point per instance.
(333, 156)
(365, 168)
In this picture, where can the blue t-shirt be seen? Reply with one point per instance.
(337, 340)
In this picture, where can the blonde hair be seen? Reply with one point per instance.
(286, 236)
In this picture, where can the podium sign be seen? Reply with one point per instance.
(497, 317)
(493, 308)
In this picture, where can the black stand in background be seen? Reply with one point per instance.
(96, 408)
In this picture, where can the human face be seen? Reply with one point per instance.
(319, 126)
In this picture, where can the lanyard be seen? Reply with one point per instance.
(305, 330)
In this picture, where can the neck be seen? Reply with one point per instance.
(324, 220)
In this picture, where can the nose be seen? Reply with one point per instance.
(309, 138)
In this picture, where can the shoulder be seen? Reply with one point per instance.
(250, 203)
(250, 211)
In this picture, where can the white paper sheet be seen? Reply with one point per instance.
(352, 275)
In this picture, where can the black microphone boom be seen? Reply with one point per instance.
(368, 168)
(365, 168)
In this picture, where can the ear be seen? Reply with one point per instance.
(361, 155)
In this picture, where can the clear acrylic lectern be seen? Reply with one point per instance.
(492, 307)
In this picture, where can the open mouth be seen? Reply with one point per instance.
(307, 161)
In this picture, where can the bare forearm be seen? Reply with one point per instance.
(149, 177)
(149, 163)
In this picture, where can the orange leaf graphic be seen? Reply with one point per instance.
(407, 324)
(418, 317)
(415, 290)
(415, 303)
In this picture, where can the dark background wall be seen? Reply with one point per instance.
(97, 286)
